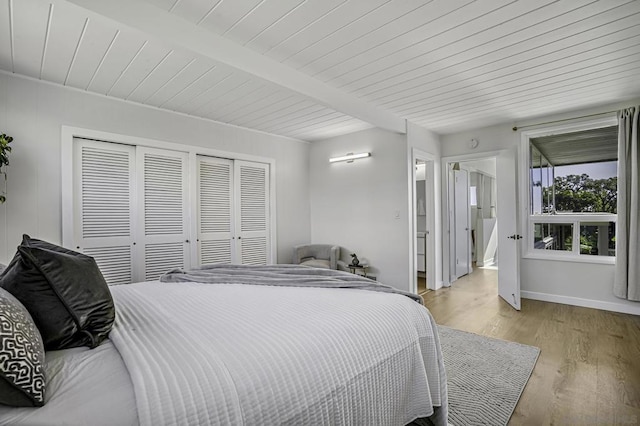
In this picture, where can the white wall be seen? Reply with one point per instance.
(362, 206)
(486, 166)
(33, 113)
(565, 282)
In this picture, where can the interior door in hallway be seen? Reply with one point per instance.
(462, 226)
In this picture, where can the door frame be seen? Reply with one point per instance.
(446, 232)
(430, 207)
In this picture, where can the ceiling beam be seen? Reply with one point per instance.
(181, 34)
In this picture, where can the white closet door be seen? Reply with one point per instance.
(104, 207)
(252, 206)
(163, 197)
(215, 210)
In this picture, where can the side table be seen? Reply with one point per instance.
(354, 269)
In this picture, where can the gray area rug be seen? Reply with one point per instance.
(485, 376)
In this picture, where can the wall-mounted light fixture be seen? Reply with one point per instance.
(350, 157)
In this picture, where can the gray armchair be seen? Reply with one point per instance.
(317, 255)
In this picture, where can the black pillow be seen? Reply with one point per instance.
(64, 292)
(22, 380)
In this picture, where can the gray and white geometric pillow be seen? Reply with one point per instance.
(22, 379)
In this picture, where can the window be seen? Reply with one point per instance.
(573, 192)
(553, 236)
(473, 196)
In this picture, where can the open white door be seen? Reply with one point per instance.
(508, 237)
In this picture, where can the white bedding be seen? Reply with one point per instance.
(242, 354)
(84, 387)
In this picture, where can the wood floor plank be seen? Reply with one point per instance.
(588, 372)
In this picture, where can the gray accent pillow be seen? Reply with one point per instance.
(22, 379)
(64, 292)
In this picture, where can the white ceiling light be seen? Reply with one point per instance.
(350, 157)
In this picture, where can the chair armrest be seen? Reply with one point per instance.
(335, 255)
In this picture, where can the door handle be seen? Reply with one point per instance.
(515, 237)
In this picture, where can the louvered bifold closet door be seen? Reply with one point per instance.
(104, 181)
(252, 205)
(215, 210)
(163, 202)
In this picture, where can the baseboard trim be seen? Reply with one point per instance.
(585, 303)
(487, 262)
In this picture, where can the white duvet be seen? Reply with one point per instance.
(225, 354)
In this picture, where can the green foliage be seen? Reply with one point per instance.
(5, 149)
(580, 193)
(588, 242)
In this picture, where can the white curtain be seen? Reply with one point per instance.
(627, 278)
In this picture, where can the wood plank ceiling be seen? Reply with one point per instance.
(448, 65)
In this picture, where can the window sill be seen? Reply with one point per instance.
(557, 257)
(573, 217)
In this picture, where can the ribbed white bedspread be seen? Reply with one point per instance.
(234, 354)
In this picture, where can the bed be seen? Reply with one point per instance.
(216, 348)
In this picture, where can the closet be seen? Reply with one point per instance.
(232, 211)
(141, 211)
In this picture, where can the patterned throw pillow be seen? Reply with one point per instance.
(22, 380)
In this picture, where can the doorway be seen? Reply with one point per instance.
(473, 216)
(424, 183)
(480, 216)
(421, 182)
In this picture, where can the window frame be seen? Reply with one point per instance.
(526, 198)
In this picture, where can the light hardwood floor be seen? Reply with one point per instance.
(588, 372)
(422, 285)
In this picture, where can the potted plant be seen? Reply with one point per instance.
(5, 149)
